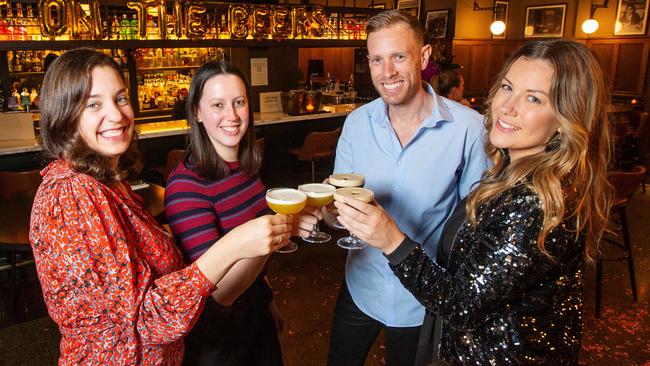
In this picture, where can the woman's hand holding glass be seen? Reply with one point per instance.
(262, 236)
(369, 222)
(286, 201)
(256, 238)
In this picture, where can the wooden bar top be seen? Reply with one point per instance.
(180, 127)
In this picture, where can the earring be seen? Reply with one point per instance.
(553, 143)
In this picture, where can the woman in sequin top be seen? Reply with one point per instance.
(512, 290)
(112, 278)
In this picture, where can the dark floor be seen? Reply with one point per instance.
(306, 284)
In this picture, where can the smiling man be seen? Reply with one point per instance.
(420, 155)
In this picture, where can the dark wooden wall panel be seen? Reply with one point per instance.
(337, 61)
(481, 60)
(462, 57)
(606, 54)
(625, 60)
(628, 76)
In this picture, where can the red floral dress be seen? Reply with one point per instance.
(112, 278)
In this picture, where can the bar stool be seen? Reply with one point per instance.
(17, 190)
(643, 143)
(625, 184)
(317, 146)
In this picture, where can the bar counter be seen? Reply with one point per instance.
(180, 127)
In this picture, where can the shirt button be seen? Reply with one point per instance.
(396, 189)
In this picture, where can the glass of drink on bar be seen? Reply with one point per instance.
(286, 201)
(365, 195)
(318, 195)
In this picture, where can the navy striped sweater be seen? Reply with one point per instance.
(200, 211)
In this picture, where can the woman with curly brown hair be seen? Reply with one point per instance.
(511, 287)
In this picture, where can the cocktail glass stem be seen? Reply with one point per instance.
(351, 243)
(317, 236)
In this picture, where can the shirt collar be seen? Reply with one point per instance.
(440, 112)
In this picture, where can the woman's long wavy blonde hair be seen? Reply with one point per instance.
(571, 179)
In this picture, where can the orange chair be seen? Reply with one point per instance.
(317, 146)
(625, 184)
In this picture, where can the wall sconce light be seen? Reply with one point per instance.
(590, 25)
(498, 26)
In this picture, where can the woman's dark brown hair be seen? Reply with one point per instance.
(202, 156)
(66, 88)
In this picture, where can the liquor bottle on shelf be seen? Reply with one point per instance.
(4, 32)
(125, 27)
(38, 61)
(10, 60)
(33, 95)
(33, 31)
(152, 28)
(213, 24)
(106, 32)
(18, 65)
(25, 102)
(133, 27)
(350, 85)
(13, 103)
(20, 30)
(10, 11)
(115, 27)
(116, 57)
(169, 26)
(223, 26)
(27, 62)
(9, 21)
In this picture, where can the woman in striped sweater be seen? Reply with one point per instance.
(215, 189)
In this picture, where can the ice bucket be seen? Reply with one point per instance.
(291, 101)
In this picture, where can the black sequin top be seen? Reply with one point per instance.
(505, 301)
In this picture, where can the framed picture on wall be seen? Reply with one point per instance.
(545, 21)
(435, 24)
(631, 17)
(500, 13)
(410, 6)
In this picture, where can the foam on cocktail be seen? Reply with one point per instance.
(286, 201)
(361, 194)
(346, 180)
(318, 194)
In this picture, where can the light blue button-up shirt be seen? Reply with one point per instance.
(418, 184)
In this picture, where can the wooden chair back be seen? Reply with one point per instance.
(14, 182)
(173, 158)
(626, 183)
(319, 145)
